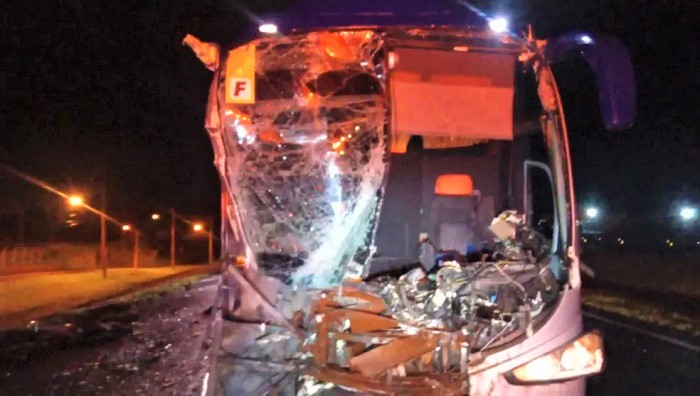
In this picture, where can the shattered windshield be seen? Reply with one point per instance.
(306, 161)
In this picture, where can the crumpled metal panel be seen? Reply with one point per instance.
(305, 163)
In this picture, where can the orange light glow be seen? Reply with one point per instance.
(271, 136)
(336, 145)
(454, 185)
(335, 46)
(126, 227)
(75, 201)
(198, 227)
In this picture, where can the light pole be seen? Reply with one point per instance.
(77, 201)
(136, 250)
(135, 260)
(199, 227)
(103, 232)
(172, 237)
(211, 242)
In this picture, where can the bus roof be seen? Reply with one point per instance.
(308, 15)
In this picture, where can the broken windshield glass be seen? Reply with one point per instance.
(305, 162)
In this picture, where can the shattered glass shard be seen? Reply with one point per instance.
(305, 163)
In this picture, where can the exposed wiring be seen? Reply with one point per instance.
(500, 333)
(500, 270)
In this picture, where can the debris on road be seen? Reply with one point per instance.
(141, 347)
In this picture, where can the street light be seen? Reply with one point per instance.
(155, 216)
(199, 227)
(135, 260)
(592, 213)
(76, 201)
(688, 213)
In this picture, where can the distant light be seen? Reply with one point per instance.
(268, 28)
(584, 39)
(670, 244)
(126, 227)
(688, 213)
(498, 24)
(155, 216)
(75, 200)
(198, 227)
(592, 213)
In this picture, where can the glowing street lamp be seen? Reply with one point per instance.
(199, 227)
(76, 201)
(155, 216)
(592, 213)
(688, 213)
(126, 227)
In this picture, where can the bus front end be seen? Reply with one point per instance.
(398, 204)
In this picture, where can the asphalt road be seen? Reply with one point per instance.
(157, 344)
(643, 360)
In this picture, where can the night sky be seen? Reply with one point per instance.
(103, 90)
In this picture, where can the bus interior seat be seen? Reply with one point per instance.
(457, 213)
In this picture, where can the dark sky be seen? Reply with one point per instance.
(104, 89)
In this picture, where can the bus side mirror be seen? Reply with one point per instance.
(610, 61)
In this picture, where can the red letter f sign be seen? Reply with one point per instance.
(240, 75)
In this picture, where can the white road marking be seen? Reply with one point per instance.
(671, 340)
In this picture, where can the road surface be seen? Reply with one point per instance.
(643, 360)
(157, 344)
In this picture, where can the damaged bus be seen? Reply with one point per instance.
(398, 203)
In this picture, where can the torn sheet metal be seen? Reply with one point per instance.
(392, 354)
(394, 335)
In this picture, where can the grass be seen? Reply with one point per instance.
(36, 295)
(644, 311)
(658, 272)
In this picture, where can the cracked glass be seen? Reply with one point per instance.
(305, 162)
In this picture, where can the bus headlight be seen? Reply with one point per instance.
(581, 357)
